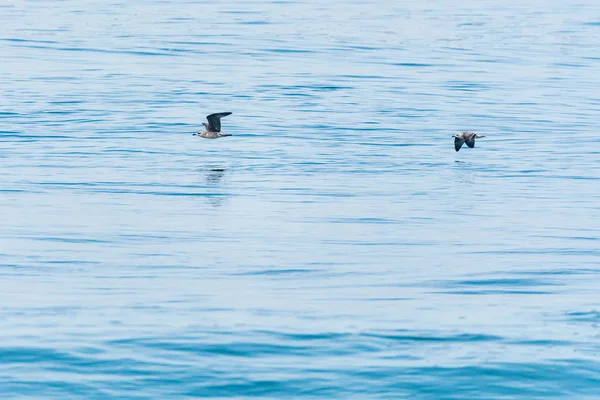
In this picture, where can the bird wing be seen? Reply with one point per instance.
(469, 138)
(214, 121)
(458, 142)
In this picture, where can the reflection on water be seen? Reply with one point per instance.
(216, 201)
(464, 172)
(214, 178)
(214, 175)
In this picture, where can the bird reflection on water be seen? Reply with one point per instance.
(465, 172)
(213, 179)
(214, 175)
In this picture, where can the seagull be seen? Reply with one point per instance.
(212, 130)
(465, 137)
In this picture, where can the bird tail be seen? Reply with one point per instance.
(480, 136)
(226, 134)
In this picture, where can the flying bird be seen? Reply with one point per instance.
(212, 129)
(465, 137)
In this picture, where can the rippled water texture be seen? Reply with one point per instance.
(336, 246)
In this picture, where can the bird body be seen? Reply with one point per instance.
(212, 129)
(465, 137)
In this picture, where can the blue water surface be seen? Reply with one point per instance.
(336, 247)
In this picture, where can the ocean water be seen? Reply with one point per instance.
(336, 246)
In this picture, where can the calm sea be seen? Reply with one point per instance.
(336, 247)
